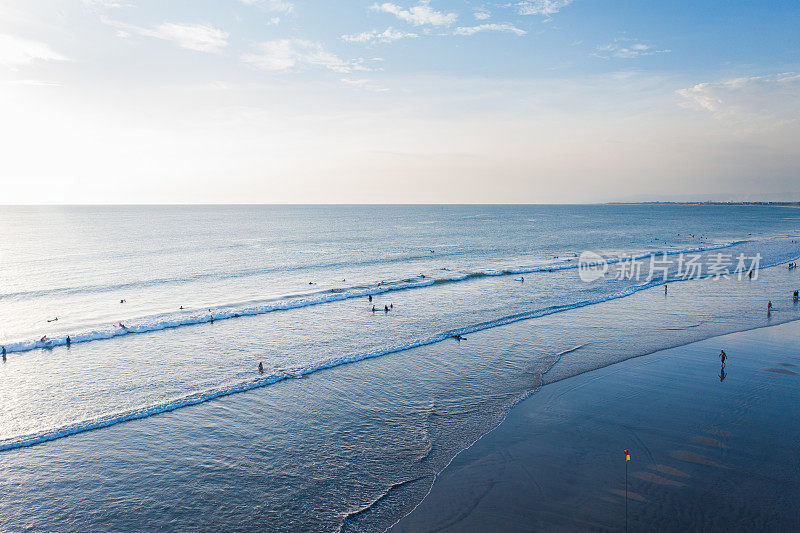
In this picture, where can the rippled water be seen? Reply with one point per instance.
(351, 445)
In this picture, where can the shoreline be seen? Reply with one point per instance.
(451, 484)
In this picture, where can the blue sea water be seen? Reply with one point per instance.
(166, 423)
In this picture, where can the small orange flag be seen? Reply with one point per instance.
(627, 456)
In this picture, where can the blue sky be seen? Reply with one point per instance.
(126, 101)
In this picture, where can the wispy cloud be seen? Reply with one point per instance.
(198, 37)
(418, 15)
(627, 49)
(280, 6)
(541, 7)
(364, 84)
(481, 13)
(16, 51)
(755, 101)
(296, 54)
(472, 30)
(386, 36)
(108, 3)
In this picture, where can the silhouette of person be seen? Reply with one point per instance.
(722, 357)
(260, 368)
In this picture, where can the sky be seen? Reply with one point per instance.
(401, 101)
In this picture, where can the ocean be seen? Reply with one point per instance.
(155, 415)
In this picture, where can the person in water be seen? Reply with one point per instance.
(386, 308)
(123, 326)
(370, 297)
(391, 306)
(769, 307)
(373, 308)
(665, 289)
(260, 368)
(212, 319)
(69, 341)
(4, 354)
(722, 357)
(44, 338)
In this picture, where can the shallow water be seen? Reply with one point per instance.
(353, 445)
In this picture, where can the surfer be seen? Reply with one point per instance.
(212, 319)
(181, 307)
(44, 338)
(373, 308)
(385, 308)
(123, 301)
(4, 354)
(369, 297)
(422, 276)
(391, 306)
(260, 368)
(123, 326)
(665, 289)
(69, 341)
(53, 319)
(459, 337)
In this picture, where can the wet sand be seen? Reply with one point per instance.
(707, 453)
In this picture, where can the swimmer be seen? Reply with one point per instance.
(53, 319)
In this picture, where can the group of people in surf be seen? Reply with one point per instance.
(792, 266)
(386, 308)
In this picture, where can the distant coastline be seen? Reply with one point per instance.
(782, 204)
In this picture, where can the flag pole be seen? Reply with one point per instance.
(627, 458)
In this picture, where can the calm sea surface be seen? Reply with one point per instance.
(156, 416)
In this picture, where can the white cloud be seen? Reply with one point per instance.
(626, 49)
(472, 30)
(16, 51)
(199, 37)
(108, 3)
(482, 13)
(291, 54)
(418, 15)
(541, 7)
(363, 84)
(387, 36)
(280, 6)
(755, 101)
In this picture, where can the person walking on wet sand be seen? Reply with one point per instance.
(722, 357)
